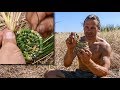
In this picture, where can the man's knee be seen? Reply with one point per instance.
(49, 73)
(53, 74)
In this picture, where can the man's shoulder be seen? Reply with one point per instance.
(103, 43)
(105, 47)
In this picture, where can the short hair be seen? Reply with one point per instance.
(93, 17)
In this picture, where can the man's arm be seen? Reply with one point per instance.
(101, 70)
(68, 59)
(70, 54)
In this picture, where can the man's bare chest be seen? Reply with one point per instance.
(96, 52)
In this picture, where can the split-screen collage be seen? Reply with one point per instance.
(59, 45)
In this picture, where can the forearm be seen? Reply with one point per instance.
(97, 69)
(68, 58)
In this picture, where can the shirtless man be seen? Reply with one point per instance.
(93, 62)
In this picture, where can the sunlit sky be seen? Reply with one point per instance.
(72, 21)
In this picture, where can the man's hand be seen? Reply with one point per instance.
(43, 22)
(71, 42)
(9, 52)
(70, 54)
(85, 56)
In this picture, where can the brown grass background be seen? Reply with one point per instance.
(37, 71)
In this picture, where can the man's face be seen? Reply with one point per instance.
(91, 29)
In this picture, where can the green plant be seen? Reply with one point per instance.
(80, 44)
(32, 45)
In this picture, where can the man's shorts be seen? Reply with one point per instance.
(78, 74)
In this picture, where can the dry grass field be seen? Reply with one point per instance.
(37, 71)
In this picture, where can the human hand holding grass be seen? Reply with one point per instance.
(9, 51)
(29, 41)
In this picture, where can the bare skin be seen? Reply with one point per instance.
(42, 22)
(1, 36)
(9, 52)
(95, 59)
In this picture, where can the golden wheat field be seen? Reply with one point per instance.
(37, 71)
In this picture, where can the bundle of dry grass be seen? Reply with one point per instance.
(11, 19)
